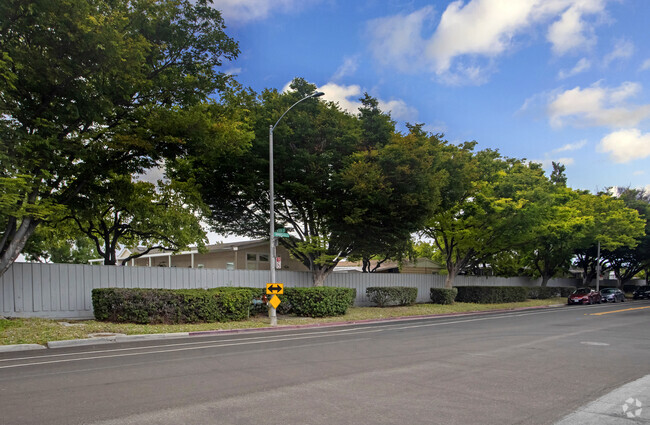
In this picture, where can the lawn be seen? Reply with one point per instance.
(40, 331)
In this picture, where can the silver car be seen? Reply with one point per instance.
(612, 295)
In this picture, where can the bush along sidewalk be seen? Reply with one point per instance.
(150, 306)
(492, 294)
(546, 292)
(322, 301)
(443, 296)
(393, 295)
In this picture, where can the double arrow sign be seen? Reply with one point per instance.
(274, 289)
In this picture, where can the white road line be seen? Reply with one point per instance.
(269, 338)
(199, 345)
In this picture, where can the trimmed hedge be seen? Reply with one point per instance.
(149, 306)
(545, 292)
(491, 294)
(443, 296)
(396, 295)
(319, 301)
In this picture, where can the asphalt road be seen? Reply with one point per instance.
(528, 367)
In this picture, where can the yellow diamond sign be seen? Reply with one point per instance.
(275, 301)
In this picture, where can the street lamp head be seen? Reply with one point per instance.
(317, 94)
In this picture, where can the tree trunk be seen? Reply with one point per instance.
(366, 265)
(320, 274)
(545, 280)
(619, 282)
(452, 272)
(16, 245)
(449, 282)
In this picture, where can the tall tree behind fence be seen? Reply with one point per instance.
(64, 290)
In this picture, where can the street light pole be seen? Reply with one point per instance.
(272, 260)
(598, 268)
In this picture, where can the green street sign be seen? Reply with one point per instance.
(281, 233)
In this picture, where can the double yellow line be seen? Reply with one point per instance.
(618, 311)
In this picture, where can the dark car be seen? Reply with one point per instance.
(584, 296)
(612, 295)
(642, 293)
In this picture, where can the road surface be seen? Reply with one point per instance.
(521, 367)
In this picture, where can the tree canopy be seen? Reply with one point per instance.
(89, 88)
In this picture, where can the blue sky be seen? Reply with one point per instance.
(562, 80)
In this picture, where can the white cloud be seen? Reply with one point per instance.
(348, 67)
(233, 71)
(477, 29)
(480, 27)
(348, 99)
(597, 106)
(645, 65)
(346, 96)
(639, 172)
(398, 109)
(571, 146)
(571, 32)
(397, 40)
(582, 65)
(241, 11)
(623, 49)
(626, 145)
(546, 163)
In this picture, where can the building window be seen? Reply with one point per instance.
(254, 261)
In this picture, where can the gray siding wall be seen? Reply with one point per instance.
(64, 290)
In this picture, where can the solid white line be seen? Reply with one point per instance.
(187, 346)
(219, 345)
(249, 341)
(265, 338)
(271, 338)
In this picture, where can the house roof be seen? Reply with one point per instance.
(219, 247)
(357, 266)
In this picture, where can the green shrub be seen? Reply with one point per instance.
(395, 295)
(491, 294)
(443, 296)
(545, 292)
(319, 301)
(149, 306)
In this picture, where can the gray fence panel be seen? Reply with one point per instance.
(64, 290)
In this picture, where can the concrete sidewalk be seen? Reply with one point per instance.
(629, 404)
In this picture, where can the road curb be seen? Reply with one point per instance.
(116, 338)
(627, 404)
(20, 347)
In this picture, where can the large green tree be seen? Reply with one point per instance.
(482, 213)
(392, 188)
(343, 183)
(138, 214)
(60, 243)
(88, 88)
(573, 222)
(628, 260)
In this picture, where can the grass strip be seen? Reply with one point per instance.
(40, 331)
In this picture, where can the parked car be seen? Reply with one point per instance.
(584, 296)
(612, 295)
(642, 293)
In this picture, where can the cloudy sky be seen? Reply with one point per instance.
(546, 80)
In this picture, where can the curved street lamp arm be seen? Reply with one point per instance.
(314, 94)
